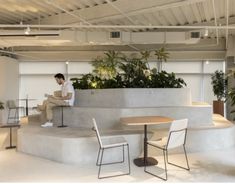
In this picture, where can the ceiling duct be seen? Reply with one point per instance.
(10, 33)
(74, 38)
(115, 34)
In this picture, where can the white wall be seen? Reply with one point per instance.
(37, 78)
(197, 75)
(40, 76)
(9, 80)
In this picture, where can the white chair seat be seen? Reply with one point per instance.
(161, 143)
(113, 142)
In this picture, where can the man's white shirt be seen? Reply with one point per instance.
(67, 87)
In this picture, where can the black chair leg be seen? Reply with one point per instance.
(15, 117)
(102, 151)
(186, 158)
(9, 113)
(165, 168)
(123, 154)
(99, 162)
(98, 157)
(62, 118)
(165, 165)
(129, 159)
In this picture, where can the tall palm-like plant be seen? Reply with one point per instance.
(145, 55)
(106, 67)
(162, 55)
(133, 71)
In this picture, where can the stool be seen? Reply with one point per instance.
(62, 116)
(10, 126)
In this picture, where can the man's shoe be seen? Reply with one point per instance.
(47, 124)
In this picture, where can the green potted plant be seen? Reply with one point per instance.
(162, 55)
(116, 70)
(219, 83)
(106, 67)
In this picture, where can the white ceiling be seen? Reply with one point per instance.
(113, 15)
(116, 12)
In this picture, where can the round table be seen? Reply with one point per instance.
(145, 120)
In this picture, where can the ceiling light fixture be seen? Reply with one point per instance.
(27, 30)
(206, 32)
(207, 62)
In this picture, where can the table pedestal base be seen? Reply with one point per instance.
(150, 161)
(10, 147)
(62, 126)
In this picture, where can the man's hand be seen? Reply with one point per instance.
(54, 97)
(47, 95)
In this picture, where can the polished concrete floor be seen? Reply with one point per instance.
(213, 166)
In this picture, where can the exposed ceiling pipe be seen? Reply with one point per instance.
(120, 11)
(116, 26)
(72, 14)
(217, 30)
(18, 54)
(133, 47)
(227, 17)
(154, 8)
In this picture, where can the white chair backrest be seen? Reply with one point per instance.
(97, 131)
(177, 133)
(11, 104)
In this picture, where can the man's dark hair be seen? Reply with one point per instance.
(59, 76)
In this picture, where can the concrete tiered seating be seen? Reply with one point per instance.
(77, 143)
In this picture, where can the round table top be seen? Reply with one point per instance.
(27, 99)
(145, 120)
(9, 125)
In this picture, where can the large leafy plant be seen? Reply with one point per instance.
(219, 83)
(116, 70)
(106, 67)
(162, 55)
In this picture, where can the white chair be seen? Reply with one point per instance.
(12, 106)
(107, 143)
(176, 138)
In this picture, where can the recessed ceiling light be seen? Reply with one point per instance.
(206, 32)
(27, 30)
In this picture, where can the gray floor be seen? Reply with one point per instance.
(213, 166)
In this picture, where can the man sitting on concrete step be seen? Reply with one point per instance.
(65, 97)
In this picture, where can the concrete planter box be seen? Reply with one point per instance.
(133, 97)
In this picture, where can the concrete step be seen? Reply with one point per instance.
(80, 146)
(107, 118)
